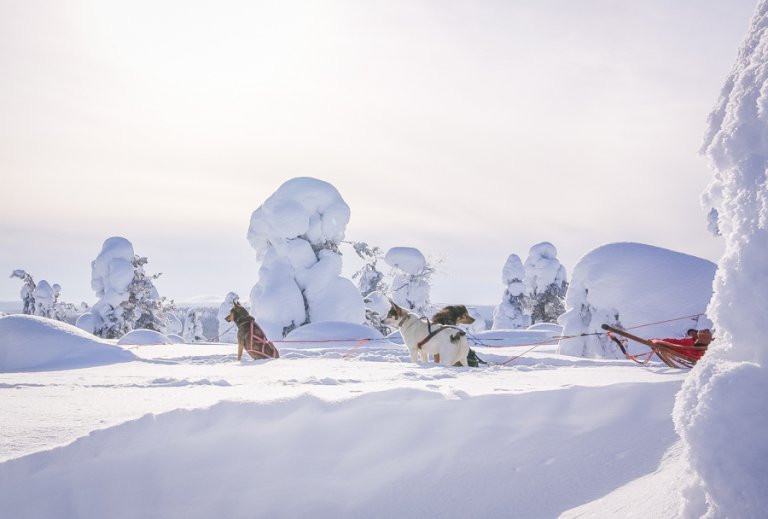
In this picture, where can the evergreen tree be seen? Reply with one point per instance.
(510, 313)
(193, 326)
(545, 284)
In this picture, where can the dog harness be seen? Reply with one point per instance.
(430, 332)
(266, 349)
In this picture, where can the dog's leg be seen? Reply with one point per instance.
(436, 356)
(239, 350)
(414, 355)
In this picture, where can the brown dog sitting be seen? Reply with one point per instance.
(250, 336)
(452, 315)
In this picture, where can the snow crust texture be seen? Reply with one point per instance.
(721, 412)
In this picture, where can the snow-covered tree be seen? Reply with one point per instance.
(371, 279)
(720, 412)
(27, 290)
(296, 233)
(193, 326)
(510, 313)
(411, 279)
(128, 298)
(546, 283)
(227, 331)
(628, 284)
(46, 299)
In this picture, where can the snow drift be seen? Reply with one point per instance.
(31, 343)
(397, 453)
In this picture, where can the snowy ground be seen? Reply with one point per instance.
(343, 430)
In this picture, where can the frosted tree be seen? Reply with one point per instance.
(46, 300)
(411, 279)
(510, 313)
(371, 279)
(193, 326)
(296, 233)
(145, 308)
(127, 297)
(546, 283)
(720, 412)
(27, 290)
(227, 331)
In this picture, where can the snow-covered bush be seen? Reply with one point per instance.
(411, 273)
(720, 412)
(227, 331)
(296, 233)
(546, 283)
(630, 284)
(127, 297)
(510, 313)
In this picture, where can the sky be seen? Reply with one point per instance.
(470, 130)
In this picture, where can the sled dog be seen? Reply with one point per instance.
(422, 339)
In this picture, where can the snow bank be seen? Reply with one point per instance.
(31, 343)
(396, 453)
(139, 337)
(330, 333)
(631, 284)
(721, 413)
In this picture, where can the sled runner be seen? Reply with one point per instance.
(676, 356)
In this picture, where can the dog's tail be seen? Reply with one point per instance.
(462, 351)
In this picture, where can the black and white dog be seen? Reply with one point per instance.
(424, 339)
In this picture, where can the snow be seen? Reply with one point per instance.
(343, 424)
(32, 343)
(296, 233)
(631, 284)
(720, 413)
(542, 268)
(143, 337)
(335, 427)
(408, 259)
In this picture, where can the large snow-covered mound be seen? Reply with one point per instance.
(31, 343)
(632, 284)
(396, 453)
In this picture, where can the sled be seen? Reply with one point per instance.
(673, 355)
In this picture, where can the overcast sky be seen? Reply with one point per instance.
(468, 129)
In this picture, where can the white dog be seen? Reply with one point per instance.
(422, 339)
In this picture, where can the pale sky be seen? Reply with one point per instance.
(468, 129)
